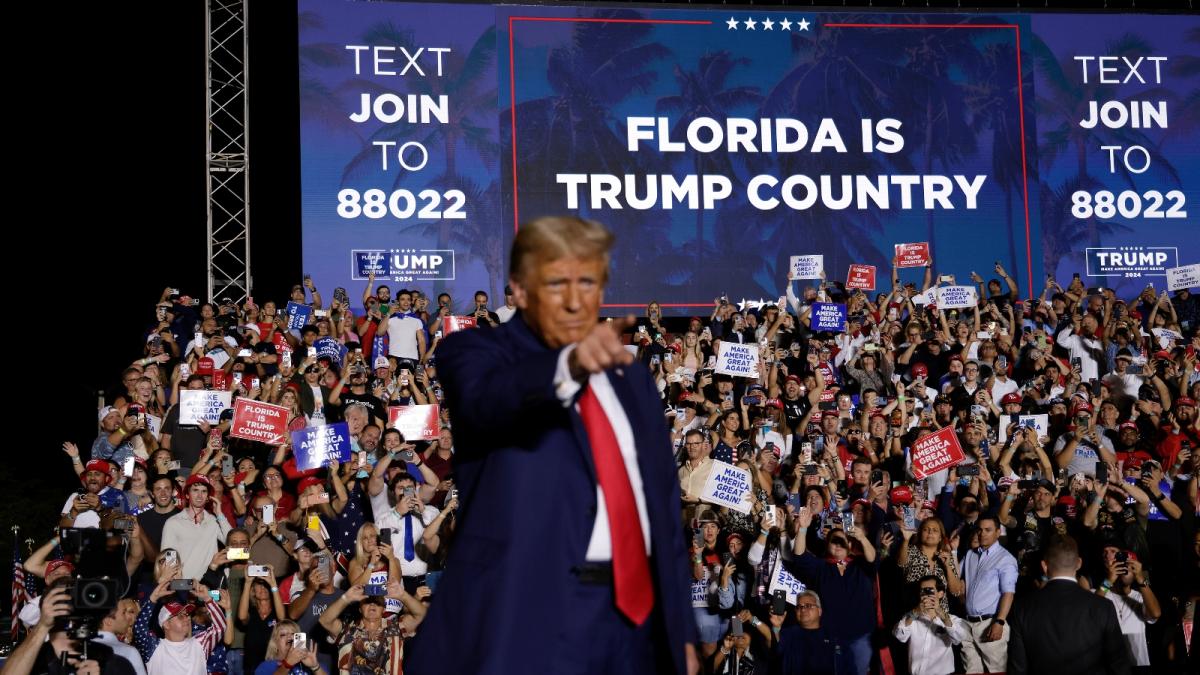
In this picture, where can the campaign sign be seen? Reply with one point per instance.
(415, 422)
(315, 446)
(379, 346)
(933, 452)
(380, 578)
(455, 323)
(739, 360)
(829, 316)
(861, 276)
(219, 381)
(1167, 338)
(154, 424)
(781, 579)
(929, 297)
(206, 405)
(332, 349)
(806, 267)
(912, 255)
(956, 297)
(728, 485)
(297, 315)
(1187, 276)
(257, 421)
(281, 344)
(1039, 423)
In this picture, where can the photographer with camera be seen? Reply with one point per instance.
(1126, 586)
(931, 631)
(178, 651)
(60, 643)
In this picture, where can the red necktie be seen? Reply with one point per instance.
(631, 568)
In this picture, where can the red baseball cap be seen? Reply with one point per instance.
(307, 483)
(1184, 400)
(920, 370)
(171, 610)
(1080, 405)
(1011, 397)
(793, 378)
(97, 465)
(1127, 425)
(902, 494)
(205, 366)
(198, 478)
(54, 565)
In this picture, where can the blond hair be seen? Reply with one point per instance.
(554, 237)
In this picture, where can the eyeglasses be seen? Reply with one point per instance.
(853, 432)
(693, 444)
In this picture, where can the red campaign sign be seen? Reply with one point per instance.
(912, 255)
(828, 395)
(861, 276)
(415, 422)
(453, 323)
(933, 452)
(219, 381)
(257, 421)
(281, 344)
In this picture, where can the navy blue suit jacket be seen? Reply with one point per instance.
(527, 486)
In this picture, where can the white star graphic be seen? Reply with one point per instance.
(802, 25)
(750, 24)
(768, 24)
(786, 24)
(732, 23)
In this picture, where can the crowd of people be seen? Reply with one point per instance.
(1076, 411)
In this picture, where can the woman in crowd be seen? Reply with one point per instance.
(930, 555)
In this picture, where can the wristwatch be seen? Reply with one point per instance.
(998, 621)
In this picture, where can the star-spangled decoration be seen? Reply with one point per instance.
(732, 23)
(750, 24)
(802, 25)
(786, 24)
(768, 24)
(750, 304)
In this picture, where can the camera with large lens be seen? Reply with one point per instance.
(91, 600)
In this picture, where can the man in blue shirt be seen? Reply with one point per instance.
(990, 573)
(803, 648)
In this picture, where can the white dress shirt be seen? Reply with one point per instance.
(123, 650)
(930, 643)
(565, 387)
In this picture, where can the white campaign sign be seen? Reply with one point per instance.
(781, 579)
(1039, 423)
(197, 405)
(739, 360)
(154, 424)
(806, 267)
(1185, 276)
(728, 486)
(929, 297)
(956, 297)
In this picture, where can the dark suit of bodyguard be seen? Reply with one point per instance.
(530, 581)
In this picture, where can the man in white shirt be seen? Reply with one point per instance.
(1120, 381)
(407, 521)
(406, 332)
(195, 532)
(930, 632)
(509, 309)
(116, 622)
(1126, 587)
(1080, 340)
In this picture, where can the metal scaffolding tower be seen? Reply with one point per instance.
(228, 151)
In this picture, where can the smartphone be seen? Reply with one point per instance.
(1027, 484)
(1101, 472)
(214, 438)
(811, 469)
(171, 557)
(286, 360)
(876, 476)
(237, 553)
(312, 352)
(127, 466)
(848, 522)
(1122, 556)
(322, 498)
(735, 627)
(226, 465)
(314, 523)
(779, 603)
(968, 470)
(794, 501)
(375, 590)
(910, 518)
(215, 596)
(198, 338)
(257, 571)
(125, 524)
(1002, 363)
(299, 641)
(185, 371)
(385, 536)
(408, 456)
(946, 279)
(182, 584)
(173, 466)
(268, 514)
(1096, 387)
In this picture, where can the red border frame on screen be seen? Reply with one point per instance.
(512, 96)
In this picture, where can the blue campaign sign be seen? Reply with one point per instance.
(829, 316)
(315, 446)
(332, 348)
(297, 315)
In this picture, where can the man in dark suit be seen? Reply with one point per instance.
(1064, 629)
(569, 555)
